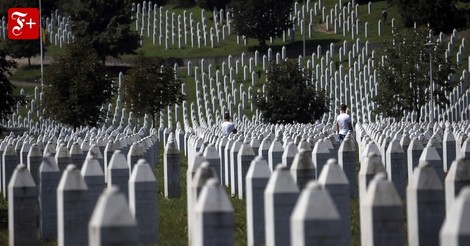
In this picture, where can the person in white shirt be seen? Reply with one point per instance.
(343, 122)
(227, 126)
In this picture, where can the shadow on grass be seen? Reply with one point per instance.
(295, 48)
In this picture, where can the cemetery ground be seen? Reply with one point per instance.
(172, 213)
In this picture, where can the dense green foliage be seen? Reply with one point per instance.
(261, 19)
(289, 97)
(211, 4)
(404, 78)
(106, 24)
(150, 86)
(441, 15)
(76, 86)
(8, 101)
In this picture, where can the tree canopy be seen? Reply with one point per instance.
(150, 86)
(8, 101)
(22, 48)
(76, 86)
(289, 97)
(404, 82)
(261, 19)
(106, 24)
(211, 4)
(441, 15)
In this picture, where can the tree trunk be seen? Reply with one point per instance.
(29, 61)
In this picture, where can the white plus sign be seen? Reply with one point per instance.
(30, 23)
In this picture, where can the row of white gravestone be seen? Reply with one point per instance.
(151, 21)
(27, 150)
(371, 164)
(113, 218)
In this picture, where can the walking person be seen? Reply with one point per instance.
(343, 122)
(227, 126)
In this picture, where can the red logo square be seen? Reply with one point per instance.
(23, 23)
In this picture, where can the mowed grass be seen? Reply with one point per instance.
(172, 213)
(320, 36)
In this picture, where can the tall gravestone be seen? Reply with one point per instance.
(76, 155)
(302, 168)
(396, 167)
(457, 178)
(448, 149)
(212, 156)
(233, 164)
(256, 180)
(49, 177)
(290, 151)
(347, 160)
(320, 155)
(118, 172)
(202, 175)
(383, 215)
(34, 162)
(112, 222)
(334, 180)
(275, 154)
(425, 193)
(94, 178)
(62, 157)
(9, 163)
(72, 208)
(280, 197)
(456, 230)
(245, 156)
(192, 168)
(143, 202)
(214, 223)
(171, 162)
(22, 210)
(413, 153)
(314, 220)
(431, 155)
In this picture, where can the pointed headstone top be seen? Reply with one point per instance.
(21, 178)
(91, 167)
(302, 160)
(112, 210)
(142, 172)
(281, 181)
(258, 169)
(425, 178)
(381, 192)
(118, 161)
(332, 173)
(213, 198)
(315, 203)
(72, 180)
(49, 164)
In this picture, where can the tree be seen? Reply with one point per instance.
(211, 4)
(107, 25)
(76, 86)
(442, 15)
(261, 19)
(404, 80)
(22, 48)
(150, 86)
(289, 97)
(8, 101)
